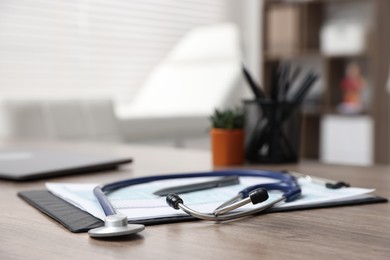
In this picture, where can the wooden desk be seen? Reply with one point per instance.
(355, 232)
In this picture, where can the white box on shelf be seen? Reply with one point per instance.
(347, 140)
(343, 38)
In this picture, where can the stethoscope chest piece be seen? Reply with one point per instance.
(116, 225)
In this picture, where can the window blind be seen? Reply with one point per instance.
(92, 47)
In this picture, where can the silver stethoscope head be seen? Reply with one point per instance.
(115, 225)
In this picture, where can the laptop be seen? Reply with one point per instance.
(24, 164)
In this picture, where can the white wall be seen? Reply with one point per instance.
(248, 15)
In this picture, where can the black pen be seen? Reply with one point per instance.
(291, 80)
(295, 74)
(275, 83)
(257, 91)
(300, 95)
(304, 88)
(225, 181)
(284, 80)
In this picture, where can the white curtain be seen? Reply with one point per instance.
(91, 47)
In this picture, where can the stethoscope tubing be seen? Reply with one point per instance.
(287, 183)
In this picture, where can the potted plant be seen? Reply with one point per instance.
(227, 137)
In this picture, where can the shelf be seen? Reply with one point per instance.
(275, 56)
(333, 111)
(311, 111)
(307, 2)
(291, 32)
(361, 55)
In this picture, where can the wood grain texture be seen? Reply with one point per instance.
(355, 232)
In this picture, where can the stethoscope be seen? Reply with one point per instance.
(117, 225)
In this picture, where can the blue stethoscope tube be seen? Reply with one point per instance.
(287, 184)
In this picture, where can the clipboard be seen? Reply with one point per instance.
(77, 221)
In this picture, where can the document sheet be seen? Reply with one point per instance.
(138, 202)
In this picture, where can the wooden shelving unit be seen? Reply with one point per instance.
(292, 32)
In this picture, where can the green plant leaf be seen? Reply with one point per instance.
(228, 119)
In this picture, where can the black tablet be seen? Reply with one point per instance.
(23, 164)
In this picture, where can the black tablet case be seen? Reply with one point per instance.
(77, 220)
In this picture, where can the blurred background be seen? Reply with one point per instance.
(152, 71)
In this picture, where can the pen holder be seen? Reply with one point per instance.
(272, 131)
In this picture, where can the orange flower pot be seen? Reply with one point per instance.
(227, 146)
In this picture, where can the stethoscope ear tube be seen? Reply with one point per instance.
(256, 196)
(229, 216)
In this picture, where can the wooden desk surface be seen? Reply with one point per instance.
(355, 232)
